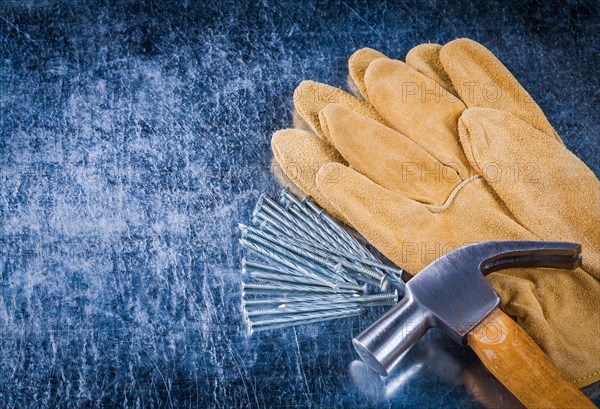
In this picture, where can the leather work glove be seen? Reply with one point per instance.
(426, 163)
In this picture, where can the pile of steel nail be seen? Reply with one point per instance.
(310, 269)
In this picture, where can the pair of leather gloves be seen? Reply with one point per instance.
(446, 149)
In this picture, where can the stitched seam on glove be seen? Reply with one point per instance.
(448, 202)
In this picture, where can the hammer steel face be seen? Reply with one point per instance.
(453, 294)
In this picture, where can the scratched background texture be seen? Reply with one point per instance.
(135, 136)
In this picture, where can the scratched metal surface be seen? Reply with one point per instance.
(136, 135)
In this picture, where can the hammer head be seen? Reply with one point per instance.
(453, 294)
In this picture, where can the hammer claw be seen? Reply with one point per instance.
(562, 255)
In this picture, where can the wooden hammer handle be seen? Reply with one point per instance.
(519, 364)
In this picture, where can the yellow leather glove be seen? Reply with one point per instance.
(407, 169)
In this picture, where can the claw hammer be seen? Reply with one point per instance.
(453, 294)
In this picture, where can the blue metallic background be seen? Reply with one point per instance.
(134, 137)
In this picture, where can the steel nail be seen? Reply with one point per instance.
(254, 288)
(341, 233)
(317, 298)
(293, 311)
(331, 235)
(320, 257)
(309, 260)
(321, 305)
(254, 326)
(285, 260)
(312, 264)
(293, 220)
(269, 221)
(284, 278)
(249, 266)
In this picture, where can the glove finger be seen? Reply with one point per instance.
(300, 155)
(524, 167)
(387, 157)
(483, 81)
(311, 97)
(418, 107)
(425, 58)
(357, 66)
